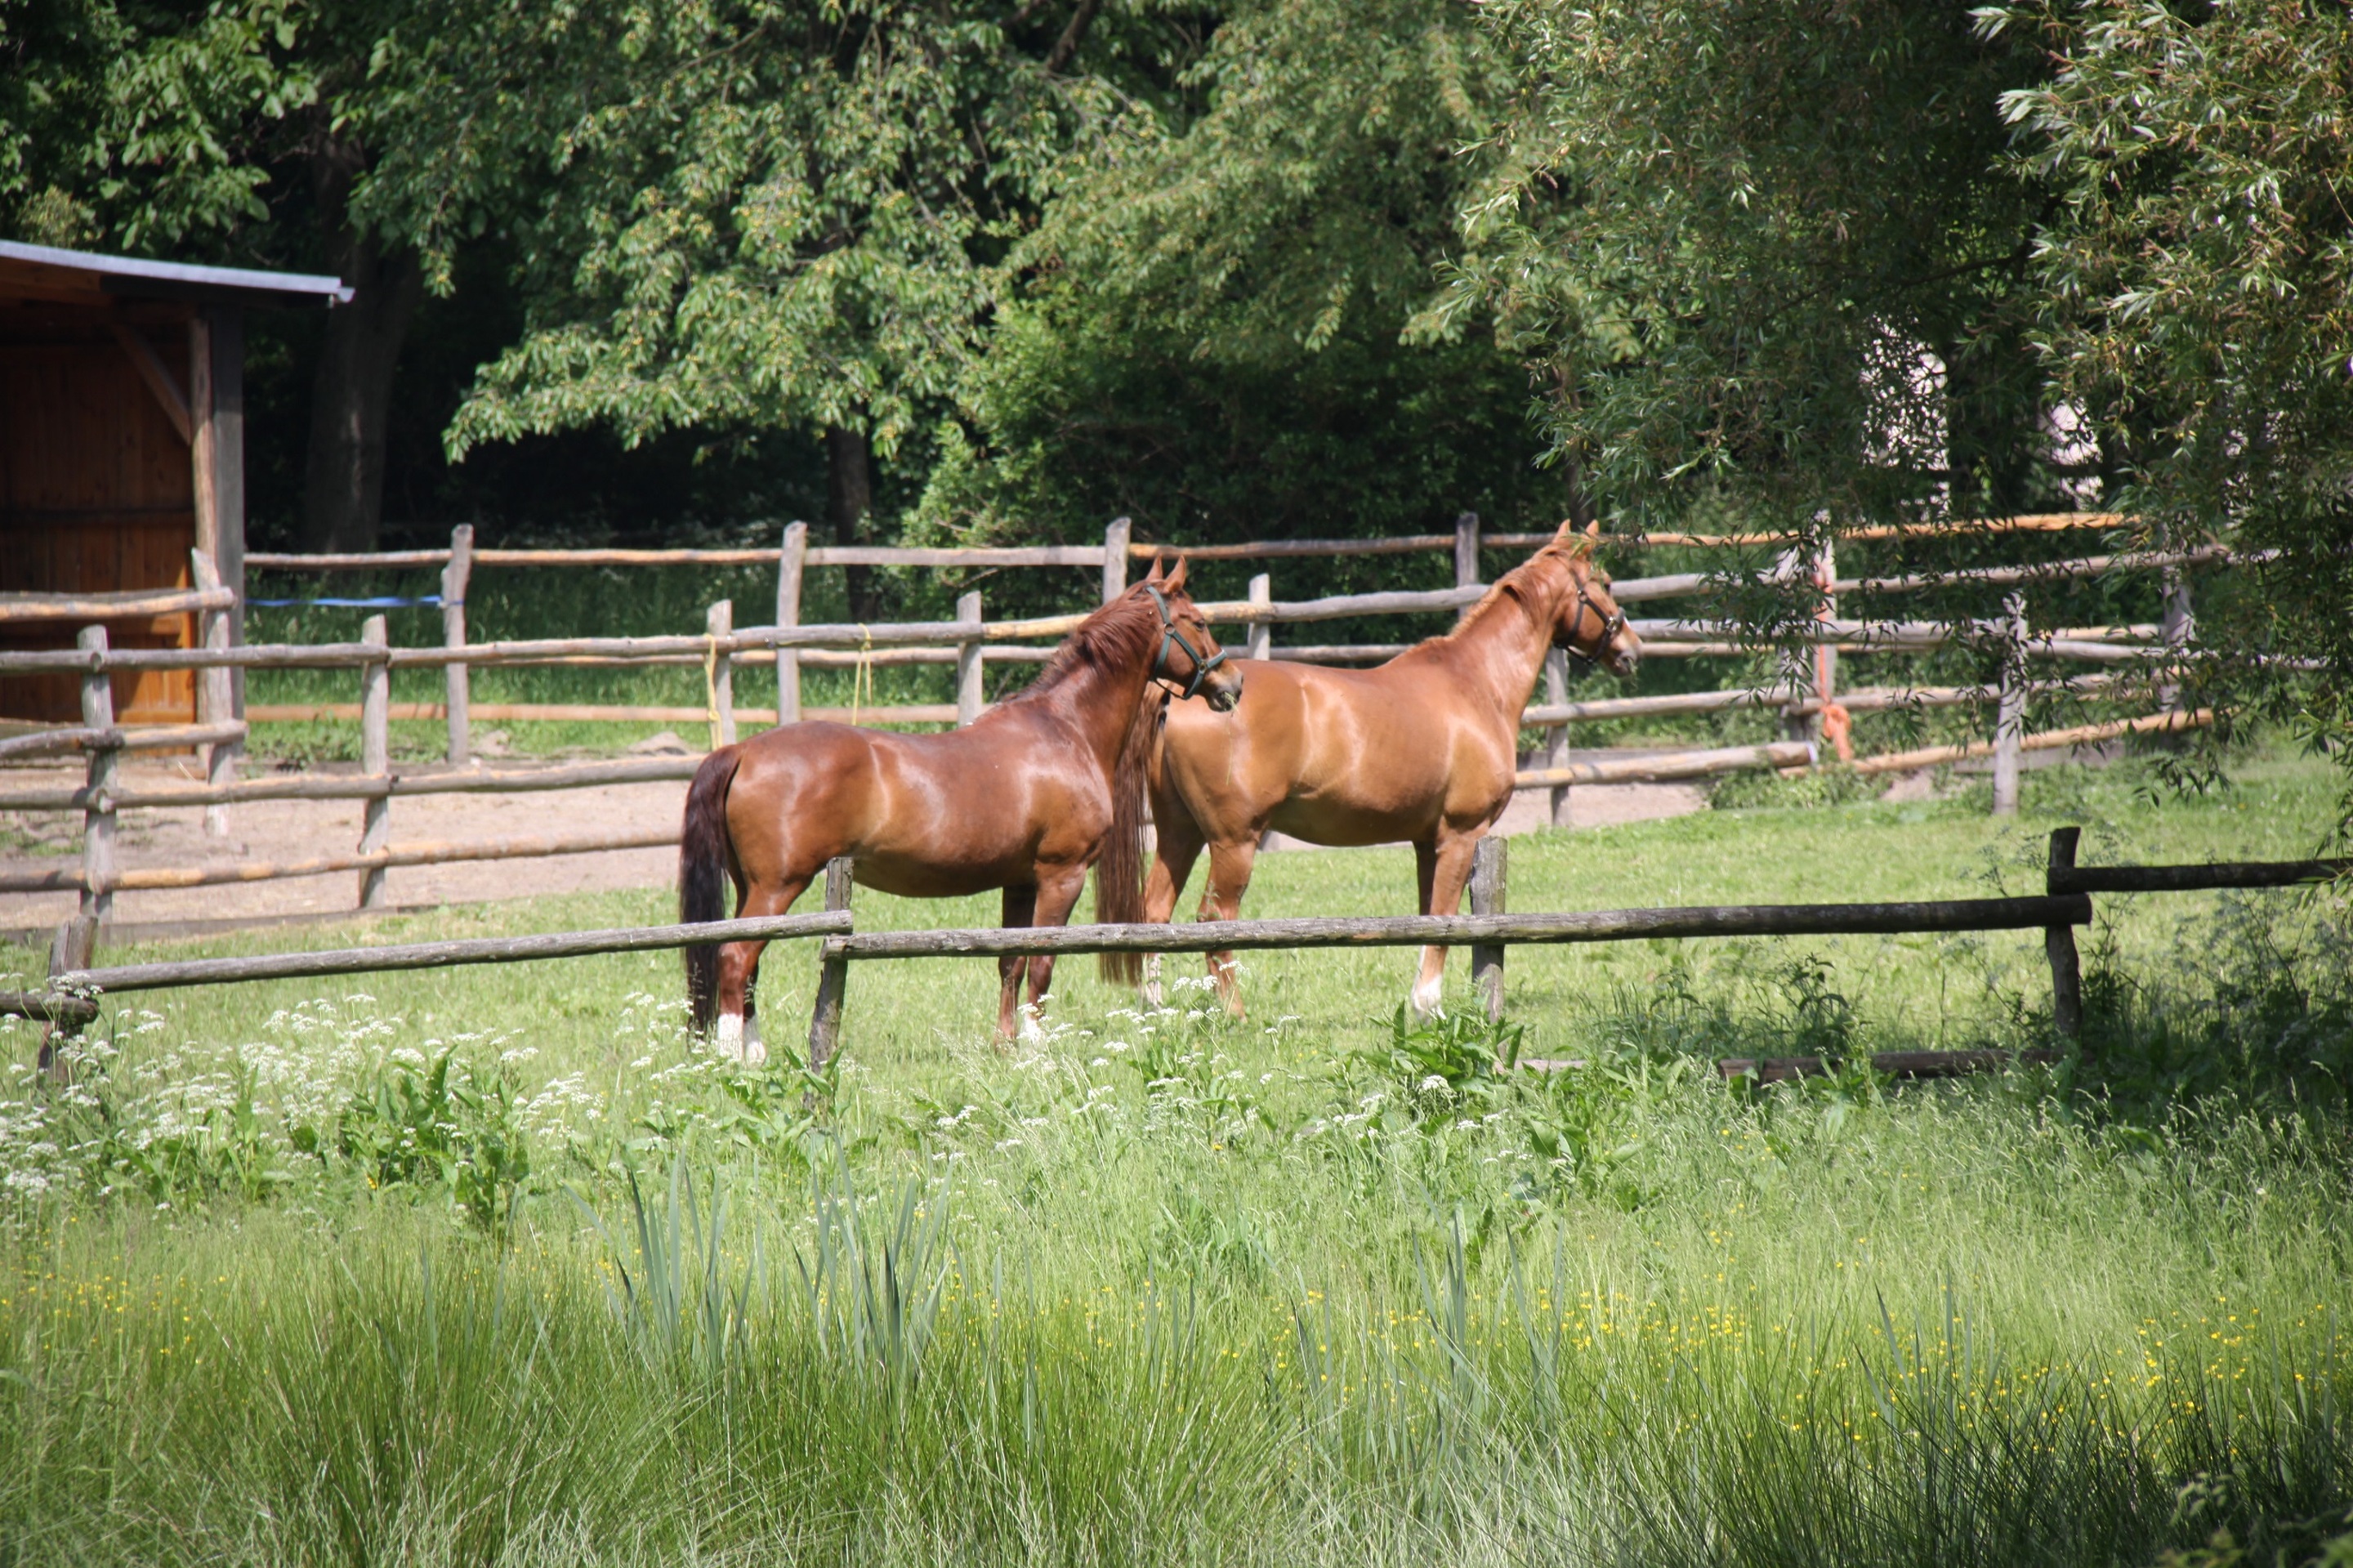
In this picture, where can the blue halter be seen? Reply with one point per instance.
(1202, 663)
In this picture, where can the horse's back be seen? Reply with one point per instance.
(1336, 755)
(923, 815)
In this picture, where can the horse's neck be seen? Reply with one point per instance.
(1500, 648)
(1100, 704)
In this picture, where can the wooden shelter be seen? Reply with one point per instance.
(121, 448)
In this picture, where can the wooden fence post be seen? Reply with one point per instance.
(375, 757)
(457, 692)
(2010, 720)
(1557, 748)
(1115, 570)
(1466, 555)
(970, 692)
(1489, 862)
(1258, 642)
(216, 695)
(72, 945)
(2178, 626)
(832, 974)
(2059, 944)
(789, 613)
(719, 673)
(97, 816)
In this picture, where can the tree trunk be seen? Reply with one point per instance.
(850, 498)
(343, 496)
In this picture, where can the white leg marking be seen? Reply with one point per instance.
(1033, 1014)
(1152, 981)
(1427, 991)
(729, 1040)
(755, 1053)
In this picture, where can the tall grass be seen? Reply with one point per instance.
(498, 1266)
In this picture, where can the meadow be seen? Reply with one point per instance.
(498, 1266)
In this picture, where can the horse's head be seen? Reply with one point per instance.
(1190, 659)
(1589, 624)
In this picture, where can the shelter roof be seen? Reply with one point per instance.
(82, 277)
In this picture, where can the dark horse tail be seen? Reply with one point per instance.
(702, 857)
(1119, 873)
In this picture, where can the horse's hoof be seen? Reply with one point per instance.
(1426, 997)
(756, 1054)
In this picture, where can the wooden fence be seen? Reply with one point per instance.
(2065, 904)
(968, 642)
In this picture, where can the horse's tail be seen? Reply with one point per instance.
(702, 856)
(1119, 873)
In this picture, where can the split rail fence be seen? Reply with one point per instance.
(969, 642)
(1489, 930)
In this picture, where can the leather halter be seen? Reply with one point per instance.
(1612, 624)
(1169, 633)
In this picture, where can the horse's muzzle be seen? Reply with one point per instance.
(1223, 691)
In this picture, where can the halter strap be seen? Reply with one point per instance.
(1169, 633)
(1612, 624)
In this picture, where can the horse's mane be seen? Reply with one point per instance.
(1121, 633)
(1511, 587)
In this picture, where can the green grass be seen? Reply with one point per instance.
(1162, 1288)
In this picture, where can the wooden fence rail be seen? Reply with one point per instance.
(444, 955)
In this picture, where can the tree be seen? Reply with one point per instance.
(1209, 328)
(795, 221)
(2195, 295)
(1765, 251)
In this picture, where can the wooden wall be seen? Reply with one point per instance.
(95, 492)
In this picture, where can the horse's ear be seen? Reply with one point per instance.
(1155, 574)
(1175, 581)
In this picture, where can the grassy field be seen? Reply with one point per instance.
(495, 1265)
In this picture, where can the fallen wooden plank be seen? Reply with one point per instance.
(1895, 1063)
(48, 1008)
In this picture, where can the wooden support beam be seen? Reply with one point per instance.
(376, 760)
(156, 375)
(833, 972)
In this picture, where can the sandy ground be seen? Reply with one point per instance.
(299, 829)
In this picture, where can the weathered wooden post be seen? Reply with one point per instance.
(719, 673)
(2177, 627)
(970, 691)
(98, 783)
(2059, 942)
(1557, 747)
(457, 692)
(1260, 641)
(216, 694)
(375, 757)
(1489, 861)
(832, 972)
(1466, 555)
(1114, 566)
(2010, 720)
(789, 613)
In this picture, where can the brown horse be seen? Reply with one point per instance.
(1021, 799)
(1421, 749)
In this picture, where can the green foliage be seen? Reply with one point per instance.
(1209, 334)
(1727, 233)
(437, 1130)
(2196, 294)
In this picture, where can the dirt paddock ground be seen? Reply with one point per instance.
(302, 830)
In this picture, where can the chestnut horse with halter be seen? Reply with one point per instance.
(1021, 799)
(1421, 749)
